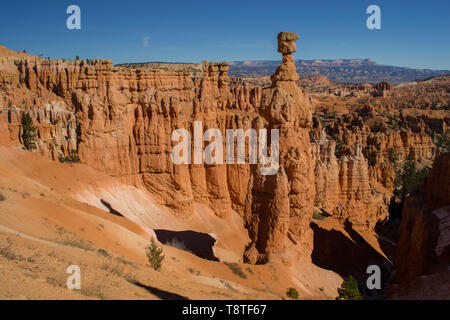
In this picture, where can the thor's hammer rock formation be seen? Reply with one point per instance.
(279, 207)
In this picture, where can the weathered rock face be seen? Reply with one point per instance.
(138, 124)
(119, 120)
(424, 244)
(54, 120)
(356, 162)
(279, 207)
(55, 128)
(437, 185)
(343, 187)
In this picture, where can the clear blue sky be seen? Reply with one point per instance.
(414, 33)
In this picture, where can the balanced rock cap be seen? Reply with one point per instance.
(287, 42)
(288, 36)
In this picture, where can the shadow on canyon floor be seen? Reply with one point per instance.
(110, 208)
(162, 294)
(387, 232)
(200, 244)
(347, 256)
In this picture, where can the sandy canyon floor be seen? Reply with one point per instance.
(47, 223)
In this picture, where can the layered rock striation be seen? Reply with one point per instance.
(119, 120)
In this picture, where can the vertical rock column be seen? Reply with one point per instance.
(209, 181)
(279, 207)
(226, 97)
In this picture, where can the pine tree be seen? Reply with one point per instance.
(349, 290)
(29, 132)
(154, 255)
(292, 293)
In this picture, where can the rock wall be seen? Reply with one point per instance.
(356, 159)
(424, 244)
(55, 128)
(119, 120)
(343, 186)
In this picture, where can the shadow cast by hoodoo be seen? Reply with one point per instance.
(200, 244)
(346, 255)
(161, 294)
(110, 208)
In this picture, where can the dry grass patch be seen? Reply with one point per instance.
(236, 269)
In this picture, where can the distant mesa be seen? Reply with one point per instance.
(339, 70)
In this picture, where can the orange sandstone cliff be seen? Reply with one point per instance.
(423, 250)
(119, 120)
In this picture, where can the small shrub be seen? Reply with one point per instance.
(193, 271)
(25, 194)
(103, 253)
(72, 158)
(9, 253)
(2, 197)
(154, 256)
(118, 270)
(78, 243)
(29, 132)
(349, 290)
(292, 293)
(124, 261)
(60, 230)
(177, 244)
(236, 269)
(317, 215)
